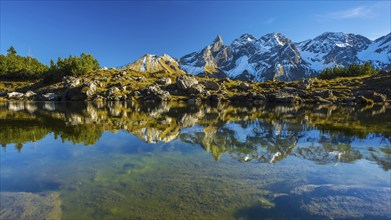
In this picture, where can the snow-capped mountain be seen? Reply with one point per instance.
(274, 56)
(152, 63)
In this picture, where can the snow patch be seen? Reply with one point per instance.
(241, 65)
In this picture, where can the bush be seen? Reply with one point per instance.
(351, 71)
(15, 66)
(71, 66)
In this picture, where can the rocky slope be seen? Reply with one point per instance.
(152, 63)
(274, 56)
(130, 85)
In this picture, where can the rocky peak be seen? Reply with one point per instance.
(154, 63)
(274, 39)
(244, 39)
(217, 44)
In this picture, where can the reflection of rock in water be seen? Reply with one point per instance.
(21, 205)
(332, 201)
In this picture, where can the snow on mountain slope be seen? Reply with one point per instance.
(378, 53)
(273, 56)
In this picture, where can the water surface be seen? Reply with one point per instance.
(174, 161)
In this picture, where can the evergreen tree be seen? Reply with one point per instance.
(11, 51)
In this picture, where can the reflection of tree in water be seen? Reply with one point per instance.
(268, 134)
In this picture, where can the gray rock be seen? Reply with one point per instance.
(153, 92)
(376, 97)
(30, 94)
(140, 78)
(89, 89)
(51, 97)
(214, 98)
(196, 89)
(305, 84)
(283, 97)
(364, 101)
(211, 85)
(326, 94)
(163, 81)
(321, 100)
(112, 91)
(15, 95)
(185, 82)
(244, 86)
(70, 81)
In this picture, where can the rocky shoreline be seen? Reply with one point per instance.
(128, 86)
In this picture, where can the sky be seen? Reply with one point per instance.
(119, 32)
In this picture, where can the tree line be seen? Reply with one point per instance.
(353, 70)
(14, 66)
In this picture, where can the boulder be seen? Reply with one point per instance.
(70, 81)
(185, 82)
(305, 84)
(112, 91)
(193, 99)
(153, 92)
(364, 101)
(30, 94)
(214, 98)
(239, 98)
(51, 97)
(164, 81)
(368, 94)
(89, 89)
(15, 95)
(140, 78)
(283, 97)
(326, 94)
(196, 89)
(244, 86)
(211, 85)
(321, 100)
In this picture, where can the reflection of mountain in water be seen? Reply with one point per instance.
(264, 133)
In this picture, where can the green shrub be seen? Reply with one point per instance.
(351, 71)
(71, 66)
(19, 67)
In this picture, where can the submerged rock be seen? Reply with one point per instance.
(27, 206)
(334, 201)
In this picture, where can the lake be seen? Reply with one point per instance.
(177, 161)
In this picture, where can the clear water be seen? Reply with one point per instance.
(173, 161)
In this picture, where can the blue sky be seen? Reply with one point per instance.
(119, 32)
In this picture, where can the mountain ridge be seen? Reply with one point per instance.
(274, 56)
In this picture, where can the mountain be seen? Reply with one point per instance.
(274, 56)
(152, 63)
